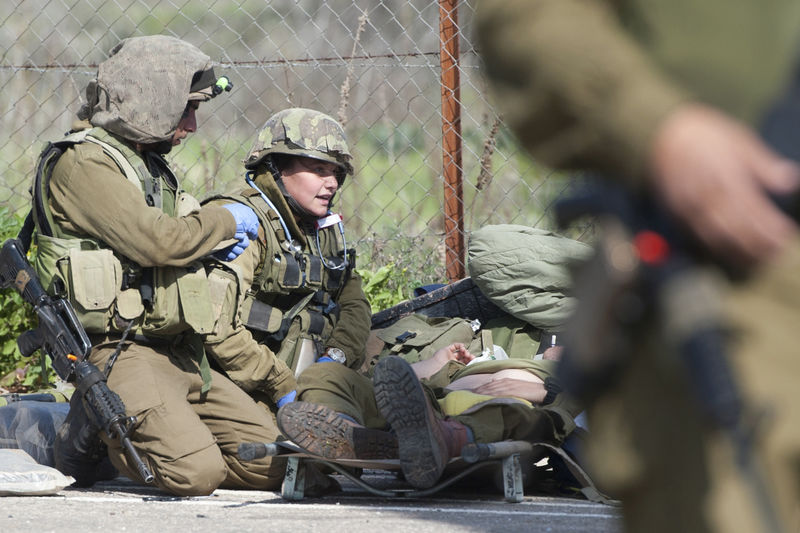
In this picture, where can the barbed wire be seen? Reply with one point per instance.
(376, 64)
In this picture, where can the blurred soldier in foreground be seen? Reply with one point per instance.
(121, 240)
(669, 98)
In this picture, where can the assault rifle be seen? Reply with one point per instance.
(61, 336)
(646, 272)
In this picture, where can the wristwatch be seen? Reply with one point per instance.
(336, 354)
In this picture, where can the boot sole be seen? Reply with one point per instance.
(321, 431)
(402, 402)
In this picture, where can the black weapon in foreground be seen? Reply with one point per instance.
(61, 336)
(645, 271)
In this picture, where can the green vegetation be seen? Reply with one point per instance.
(381, 288)
(17, 373)
(390, 284)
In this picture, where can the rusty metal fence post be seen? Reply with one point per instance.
(455, 260)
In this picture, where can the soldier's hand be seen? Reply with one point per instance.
(553, 353)
(454, 352)
(246, 229)
(532, 391)
(714, 174)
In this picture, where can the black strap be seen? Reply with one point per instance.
(41, 183)
(291, 277)
(317, 322)
(315, 269)
(117, 350)
(26, 233)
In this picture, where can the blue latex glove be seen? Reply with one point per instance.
(287, 398)
(325, 359)
(235, 250)
(246, 229)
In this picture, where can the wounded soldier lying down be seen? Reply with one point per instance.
(426, 412)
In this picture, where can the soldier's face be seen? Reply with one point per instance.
(188, 123)
(312, 183)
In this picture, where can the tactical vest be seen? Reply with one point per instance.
(107, 290)
(294, 293)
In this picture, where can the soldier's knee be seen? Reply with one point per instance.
(310, 375)
(317, 374)
(263, 474)
(196, 474)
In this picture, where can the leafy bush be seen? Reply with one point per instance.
(379, 287)
(17, 373)
(388, 285)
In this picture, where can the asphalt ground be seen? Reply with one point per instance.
(120, 505)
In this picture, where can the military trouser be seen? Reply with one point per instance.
(350, 393)
(651, 447)
(188, 440)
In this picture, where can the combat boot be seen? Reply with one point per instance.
(324, 432)
(426, 441)
(78, 450)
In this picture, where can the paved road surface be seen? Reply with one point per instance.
(120, 505)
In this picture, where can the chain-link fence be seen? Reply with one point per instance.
(374, 65)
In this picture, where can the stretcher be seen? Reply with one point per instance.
(505, 454)
(459, 299)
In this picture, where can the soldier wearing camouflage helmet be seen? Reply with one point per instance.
(302, 132)
(118, 236)
(304, 302)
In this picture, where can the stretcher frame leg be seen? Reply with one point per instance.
(512, 479)
(294, 483)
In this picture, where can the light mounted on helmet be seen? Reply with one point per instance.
(223, 84)
(205, 85)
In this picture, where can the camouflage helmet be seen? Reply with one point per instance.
(301, 132)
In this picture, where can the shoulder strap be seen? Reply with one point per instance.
(94, 136)
(265, 211)
(41, 214)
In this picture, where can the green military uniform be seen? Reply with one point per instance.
(489, 419)
(299, 285)
(266, 365)
(113, 212)
(585, 85)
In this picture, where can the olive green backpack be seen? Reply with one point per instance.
(417, 337)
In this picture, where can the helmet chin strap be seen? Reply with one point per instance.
(304, 214)
(293, 204)
(163, 147)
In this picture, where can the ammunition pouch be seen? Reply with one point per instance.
(106, 296)
(313, 317)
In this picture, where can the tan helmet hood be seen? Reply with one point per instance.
(141, 90)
